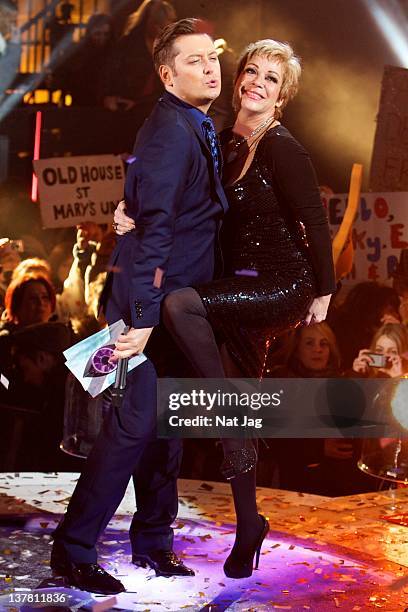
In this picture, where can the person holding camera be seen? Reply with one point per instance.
(388, 354)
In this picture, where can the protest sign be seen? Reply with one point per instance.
(77, 189)
(379, 232)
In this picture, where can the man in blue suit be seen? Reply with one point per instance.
(174, 194)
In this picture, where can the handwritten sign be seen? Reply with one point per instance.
(77, 189)
(379, 232)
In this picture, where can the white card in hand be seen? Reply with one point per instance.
(88, 360)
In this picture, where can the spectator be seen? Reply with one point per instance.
(84, 75)
(70, 301)
(132, 77)
(96, 272)
(88, 237)
(31, 410)
(32, 265)
(10, 50)
(60, 32)
(29, 299)
(91, 248)
(324, 466)
(366, 307)
(60, 260)
(9, 260)
(310, 352)
(32, 245)
(37, 352)
(87, 286)
(389, 342)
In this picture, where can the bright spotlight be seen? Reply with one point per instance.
(399, 403)
(393, 24)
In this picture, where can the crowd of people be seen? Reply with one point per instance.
(49, 303)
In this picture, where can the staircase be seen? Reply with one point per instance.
(42, 23)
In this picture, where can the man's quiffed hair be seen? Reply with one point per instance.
(163, 48)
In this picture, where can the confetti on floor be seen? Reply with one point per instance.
(315, 558)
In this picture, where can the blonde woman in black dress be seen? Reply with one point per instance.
(278, 269)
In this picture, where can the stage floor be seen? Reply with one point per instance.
(322, 554)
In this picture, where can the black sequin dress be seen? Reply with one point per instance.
(276, 248)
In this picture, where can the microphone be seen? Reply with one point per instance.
(119, 386)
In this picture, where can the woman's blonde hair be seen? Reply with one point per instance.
(146, 9)
(396, 332)
(284, 54)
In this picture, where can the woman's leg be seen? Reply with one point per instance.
(186, 319)
(243, 486)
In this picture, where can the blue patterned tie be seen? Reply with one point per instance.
(212, 141)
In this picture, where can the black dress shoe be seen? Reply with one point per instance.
(164, 562)
(240, 564)
(92, 577)
(86, 576)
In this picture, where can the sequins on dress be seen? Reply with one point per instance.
(276, 248)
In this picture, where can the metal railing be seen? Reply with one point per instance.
(35, 25)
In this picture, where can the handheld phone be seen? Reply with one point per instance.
(378, 360)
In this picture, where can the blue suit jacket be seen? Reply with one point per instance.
(176, 199)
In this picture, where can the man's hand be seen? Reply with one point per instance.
(132, 343)
(318, 309)
(121, 222)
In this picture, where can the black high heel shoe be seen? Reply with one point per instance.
(238, 565)
(238, 462)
